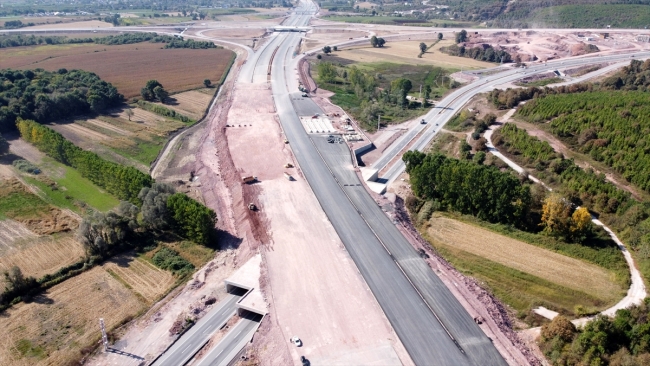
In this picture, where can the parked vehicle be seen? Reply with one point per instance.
(296, 341)
(249, 179)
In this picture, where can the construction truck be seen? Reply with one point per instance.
(252, 207)
(249, 179)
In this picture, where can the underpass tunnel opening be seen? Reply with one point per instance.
(237, 290)
(250, 315)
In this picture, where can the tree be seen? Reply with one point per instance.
(154, 205)
(401, 86)
(461, 36)
(99, 232)
(581, 225)
(191, 219)
(129, 113)
(423, 47)
(207, 83)
(4, 145)
(381, 42)
(326, 72)
(373, 41)
(148, 91)
(335, 48)
(559, 327)
(556, 215)
(440, 36)
(319, 56)
(160, 93)
(327, 50)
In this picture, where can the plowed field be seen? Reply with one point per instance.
(128, 67)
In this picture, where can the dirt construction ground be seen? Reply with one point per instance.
(313, 287)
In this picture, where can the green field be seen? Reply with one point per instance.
(71, 188)
(519, 290)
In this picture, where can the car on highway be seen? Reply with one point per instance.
(423, 122)
(304, 95)
(296, 341)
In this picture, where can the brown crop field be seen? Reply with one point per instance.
(406, 52)
(128, 67)
(141, 276)
(38, 256)
(52, 329)
(545, 264)
(191, 103)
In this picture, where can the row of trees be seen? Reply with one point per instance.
(126, 38)
(120, 181)
(485, 53)
(46, 96)
(469, 188)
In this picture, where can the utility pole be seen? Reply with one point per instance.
(378, 121)
(104, 337)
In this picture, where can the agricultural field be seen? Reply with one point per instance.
(127, 67)
(56, 326)
(137, 274)
(521, 274)
(192, 103)
(135, 142)
(114, 137)
(406, 52)
(36, 256)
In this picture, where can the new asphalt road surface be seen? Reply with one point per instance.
(195, 338)
(221, 354)
(431, 323)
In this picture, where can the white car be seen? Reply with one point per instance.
(295, 340)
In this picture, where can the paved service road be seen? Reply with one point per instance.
(191, 342)
(448, 107)
(221, 354)
(437, 331)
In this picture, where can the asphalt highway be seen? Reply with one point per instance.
(430, 322)
(220, 354)
(191, 342)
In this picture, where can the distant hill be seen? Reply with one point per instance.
(554, 13)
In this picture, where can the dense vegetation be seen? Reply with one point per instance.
(369, 90)
(612, 127)
(583, 187)
(191, 219)
(47, 96)
(171, 41)
(126, 38)
(469, 188)
(485, 53)
(623, 340)
(123, 182)
(170, 260)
